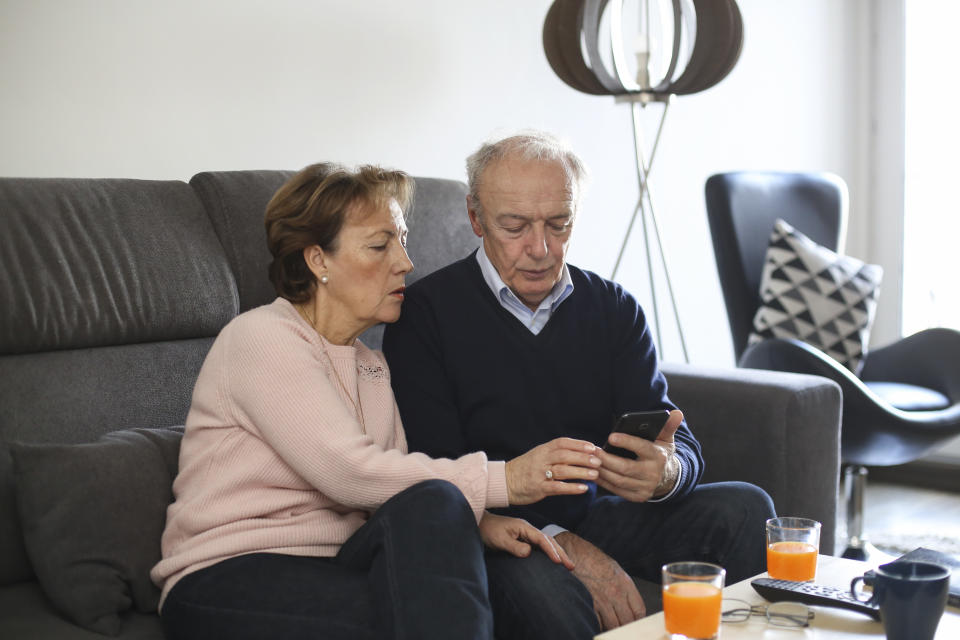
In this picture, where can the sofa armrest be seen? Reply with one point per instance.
(779, 431)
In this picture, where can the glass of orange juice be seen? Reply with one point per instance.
(792, 547)
(692, 599)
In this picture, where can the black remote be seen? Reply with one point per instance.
(812, 594)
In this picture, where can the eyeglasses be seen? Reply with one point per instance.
(794, 615)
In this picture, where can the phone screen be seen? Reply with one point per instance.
(642, 424)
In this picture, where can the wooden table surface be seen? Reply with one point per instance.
(829, 623)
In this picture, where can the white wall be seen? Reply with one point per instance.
(126, 88)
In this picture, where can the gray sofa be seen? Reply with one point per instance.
(111, 292)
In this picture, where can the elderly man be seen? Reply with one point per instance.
(510, 347)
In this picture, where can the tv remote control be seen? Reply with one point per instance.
(812, 594)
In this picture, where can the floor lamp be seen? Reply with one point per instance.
(705, 41)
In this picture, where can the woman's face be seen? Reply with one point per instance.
(366, 272)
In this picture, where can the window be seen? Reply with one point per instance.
(931, 251)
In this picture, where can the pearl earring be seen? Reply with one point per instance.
(324, 279)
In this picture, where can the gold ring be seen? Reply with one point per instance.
(549, 474)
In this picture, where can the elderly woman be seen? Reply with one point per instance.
(298, 511)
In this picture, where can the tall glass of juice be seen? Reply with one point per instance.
(792, 547)
(692, 599)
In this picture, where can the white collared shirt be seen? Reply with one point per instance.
(532, 320)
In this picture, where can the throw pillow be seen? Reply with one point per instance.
(92, 518)
(811, 293)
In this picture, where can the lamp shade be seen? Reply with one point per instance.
(711, 29)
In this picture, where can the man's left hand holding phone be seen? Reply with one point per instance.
(639, 462)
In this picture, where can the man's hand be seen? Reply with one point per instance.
(616, 600)
(655, 471)
(516, 536)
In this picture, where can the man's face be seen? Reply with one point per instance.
(525, 218)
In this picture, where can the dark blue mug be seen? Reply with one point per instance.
(911, 595)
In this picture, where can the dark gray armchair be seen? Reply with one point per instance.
(905, 401)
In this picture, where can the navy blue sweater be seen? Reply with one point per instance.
(468, 376)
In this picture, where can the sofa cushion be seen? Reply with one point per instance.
(92, 262)
(812, 294)
(236, 202)
(77, 395)
(26, 613)
(909, 397)
(92, 517)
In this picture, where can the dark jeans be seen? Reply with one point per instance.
(721, 523)
(414, 570)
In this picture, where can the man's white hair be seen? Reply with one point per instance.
(529, 145)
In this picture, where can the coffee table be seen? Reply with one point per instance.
(829, 623)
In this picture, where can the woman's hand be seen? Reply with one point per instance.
(564, 458)
(516, 536)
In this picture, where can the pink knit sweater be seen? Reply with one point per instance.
(274, 458)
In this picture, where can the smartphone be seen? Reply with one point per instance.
(642, 424)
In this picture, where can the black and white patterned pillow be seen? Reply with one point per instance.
(812, 294)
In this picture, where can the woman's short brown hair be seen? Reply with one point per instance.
(311, 208)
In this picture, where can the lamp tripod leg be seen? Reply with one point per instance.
(643, 173)
(626, 238)
(666, 275)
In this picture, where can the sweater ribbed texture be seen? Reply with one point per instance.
(274, 457)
